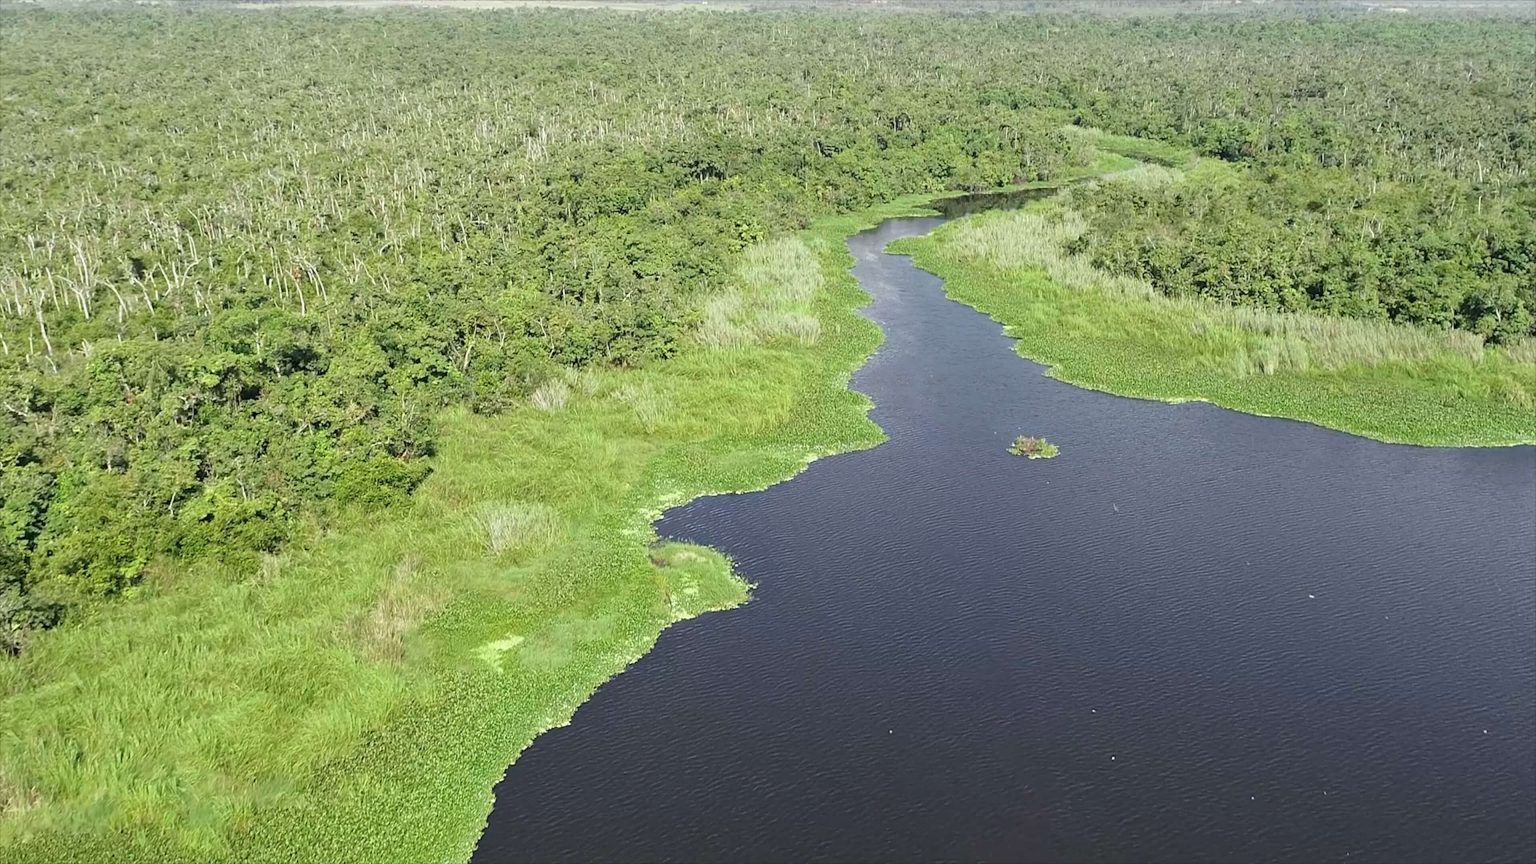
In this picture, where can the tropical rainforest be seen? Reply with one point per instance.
(267, 275)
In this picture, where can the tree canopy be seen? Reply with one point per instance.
(247, 259)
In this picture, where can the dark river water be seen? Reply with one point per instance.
(1197, 635)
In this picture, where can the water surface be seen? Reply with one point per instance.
(1197, 635)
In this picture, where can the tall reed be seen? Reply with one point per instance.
(769, 300)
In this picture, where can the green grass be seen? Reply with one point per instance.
(1140, 149)
(357, 700)
(1111, 333)
(771, 300)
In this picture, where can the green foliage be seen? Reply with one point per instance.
(246, 260)
(1115, 333)
(1308, 238)
(20, 612)
(233, 308)
(1031, 447)
(356, 699)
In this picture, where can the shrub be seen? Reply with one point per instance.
(1033, 448)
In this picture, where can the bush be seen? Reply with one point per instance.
(1033, 448)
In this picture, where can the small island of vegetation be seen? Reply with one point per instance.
(1033, 448)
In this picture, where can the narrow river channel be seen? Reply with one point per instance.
(1197, 635)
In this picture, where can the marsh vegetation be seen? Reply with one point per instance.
(1033, 448)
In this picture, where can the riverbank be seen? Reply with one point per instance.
(1388, 382)
(358, 701)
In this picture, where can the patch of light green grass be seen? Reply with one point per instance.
(771, 299)
(1139, 149)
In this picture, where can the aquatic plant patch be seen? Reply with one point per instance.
(1033, 448)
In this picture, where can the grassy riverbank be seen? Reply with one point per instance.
(356, 702)
(1388, 382)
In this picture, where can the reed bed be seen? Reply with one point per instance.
(770, 299)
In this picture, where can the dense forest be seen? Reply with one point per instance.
(1297, 231)
(247, 258)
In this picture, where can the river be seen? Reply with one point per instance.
(1197, 635)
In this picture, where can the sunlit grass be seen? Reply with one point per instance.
(512, 527)
(1275, 341)
(1522, 350)
(1148, 175)
(770, 299)
(649, 407)
(551, 395)
(1143, 150)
